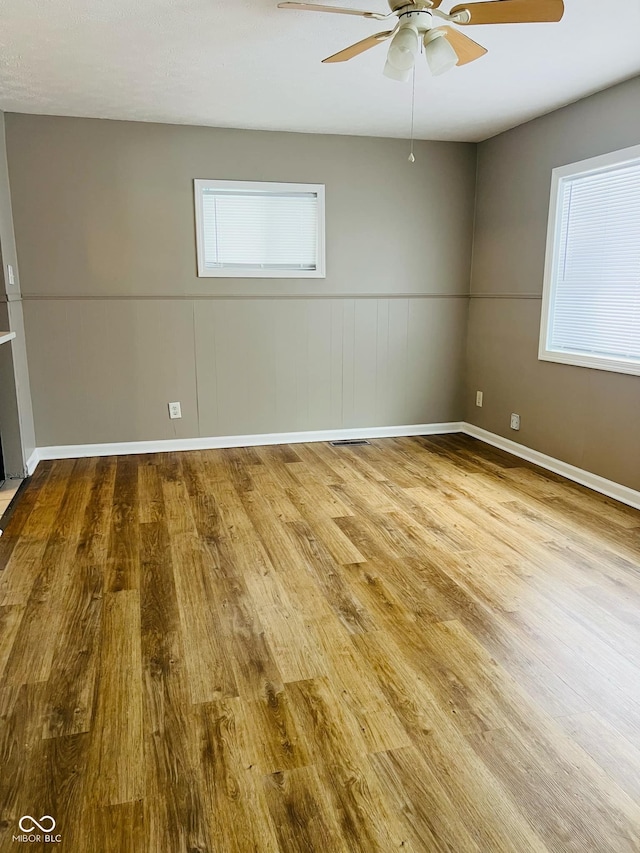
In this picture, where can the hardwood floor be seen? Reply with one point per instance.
(418, 645)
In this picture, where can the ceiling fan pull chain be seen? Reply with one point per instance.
(412, 158)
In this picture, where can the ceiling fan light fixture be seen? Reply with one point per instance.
(402, 54)
(440, 55)
(394, 73)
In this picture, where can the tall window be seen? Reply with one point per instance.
(591, 298)
(248, 229)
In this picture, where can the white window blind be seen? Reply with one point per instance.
(260, 229)
(592, 289)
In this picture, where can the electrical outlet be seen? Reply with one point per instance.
(479, 398)
(11, 278)
(515, 421)
(175, 410)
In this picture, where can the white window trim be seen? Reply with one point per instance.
(318, 189)
(579, 359)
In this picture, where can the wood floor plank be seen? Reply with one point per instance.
(207, 659)
(311, 468)
(284, 555)
(339, 748)
(123, 566)
(319, 507)
(32, 653)
(149, 488)
(117, 757)
(339, 546)
(274, 483)
(112, 829)
(597, 689)
(431, 819)
(292, 644)
(379, 725)
(618, 757)
(484, 806)
(10, 619)
(328, 578)
(330, 732)
(521, 660)
(535, 735)
(235, 803)
(21, 511)
(58, 786)
(623, 671)
(393, 591)
(21, 719)
(589, 528)
(273, 740)
(23, 566)
(254, 667)
(366, 820)
(74, 665)
(602, 819)
(174, 809)
(302, 813)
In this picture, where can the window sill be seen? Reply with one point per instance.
(580, 360)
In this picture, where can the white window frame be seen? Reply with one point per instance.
(259, 186)
(559, 175)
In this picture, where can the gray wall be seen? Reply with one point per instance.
(16, 416)
(118, 324)
(589, 418)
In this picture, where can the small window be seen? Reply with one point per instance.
(261, 230)
(591, 297)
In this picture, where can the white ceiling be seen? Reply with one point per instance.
(247, 64)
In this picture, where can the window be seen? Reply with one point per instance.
(591, 297)
(260, 229)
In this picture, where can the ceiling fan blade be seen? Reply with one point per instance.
(360, 47)
(467, 49)
(511, 12)
(338, 10)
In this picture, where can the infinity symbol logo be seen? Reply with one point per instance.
(32, 823)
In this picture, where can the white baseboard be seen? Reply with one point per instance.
(32, 462)
(76, 451)
(592, 481)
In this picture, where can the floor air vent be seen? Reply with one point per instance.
(350, 442)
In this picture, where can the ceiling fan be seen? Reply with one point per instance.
(444, 46)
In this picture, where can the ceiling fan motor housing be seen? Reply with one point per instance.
(420, 20)
(397, 5)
